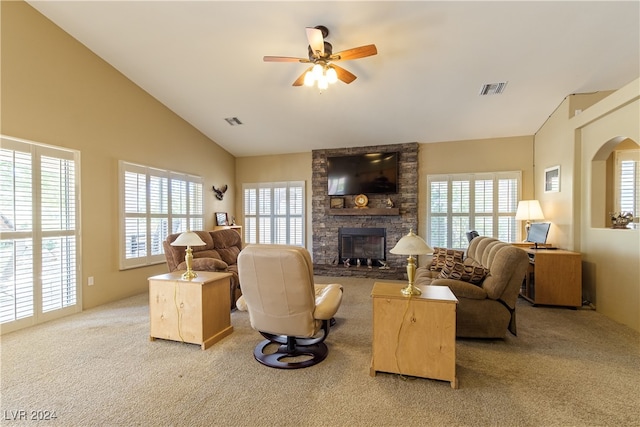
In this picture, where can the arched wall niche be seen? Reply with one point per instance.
(602, 179)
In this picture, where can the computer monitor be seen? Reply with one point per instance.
(538, 232)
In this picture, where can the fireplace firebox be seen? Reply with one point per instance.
(362, 245)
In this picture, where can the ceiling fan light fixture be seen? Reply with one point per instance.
(321, 55)
(323, 83)
(332, 75)
(309, 79)
(317, 71)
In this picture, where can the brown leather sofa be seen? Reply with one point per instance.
(220, 253)
(486, 308)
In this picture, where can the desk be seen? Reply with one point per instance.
(194, 311)
(414, 336)
(554, 277)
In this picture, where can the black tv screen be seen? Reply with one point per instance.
(538, 232)
(372, 173)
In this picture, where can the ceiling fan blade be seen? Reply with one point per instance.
(300, 80)
(344, 75)
(283, 59)
(316, 41)
(355, 53)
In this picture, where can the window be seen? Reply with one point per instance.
(627, 182)
(155, 203)
(274, 213)
(484, 202)
(39, 243)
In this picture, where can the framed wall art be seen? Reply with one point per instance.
(552, 179)
(222, 218)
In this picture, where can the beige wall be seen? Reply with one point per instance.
(57, 92)
(474, 156)
(554, 146)
(285, 167)
(611, 258)
(501, 154)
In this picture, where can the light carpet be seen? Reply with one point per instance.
(565, 368)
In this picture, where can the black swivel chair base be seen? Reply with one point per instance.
(310, 355)
(309, 351)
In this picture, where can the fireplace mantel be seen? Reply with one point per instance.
(365, 211)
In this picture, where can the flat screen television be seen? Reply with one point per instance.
(538, 232)
(372, 173)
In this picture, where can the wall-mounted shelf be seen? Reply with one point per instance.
(365, 211)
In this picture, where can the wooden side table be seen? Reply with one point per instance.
(194, 311)
(554, 277)
(416, 335)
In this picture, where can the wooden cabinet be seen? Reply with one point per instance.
(416, 335)
(194, 311)
(554, 277)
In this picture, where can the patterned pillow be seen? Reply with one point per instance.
(466, 273)
(442, 255)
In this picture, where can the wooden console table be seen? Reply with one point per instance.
(414, 336)
(554, 277)
(194, 311)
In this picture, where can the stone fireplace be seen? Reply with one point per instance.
(362, 246)
(396, 221)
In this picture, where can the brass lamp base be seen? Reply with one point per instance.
(189, 274)
(411, 274)
(411, 290)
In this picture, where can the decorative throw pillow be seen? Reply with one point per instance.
(466, 273)
(442, 255)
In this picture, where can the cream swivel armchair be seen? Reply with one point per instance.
(285, 306)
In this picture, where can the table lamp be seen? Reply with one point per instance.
(188, 239)
(411, 245)
(529, 210)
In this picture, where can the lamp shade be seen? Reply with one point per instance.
(529, 210)
(188, 238)
(411, 244)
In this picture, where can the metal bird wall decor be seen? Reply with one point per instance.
(220, 192)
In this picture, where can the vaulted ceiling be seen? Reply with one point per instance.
(203, 60)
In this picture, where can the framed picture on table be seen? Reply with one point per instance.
(222, 218)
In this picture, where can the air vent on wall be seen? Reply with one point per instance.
(493, 88)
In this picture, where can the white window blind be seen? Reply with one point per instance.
(274, 213)
(484, 202)
(155, 203)
(39, 243)
(627, 182)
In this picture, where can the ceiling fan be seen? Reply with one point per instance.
(324, 70)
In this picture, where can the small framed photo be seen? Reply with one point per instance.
(552, 179)
(222, 218)
(336, 203)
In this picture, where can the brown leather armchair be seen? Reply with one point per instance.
(285, 306)
(220, 253)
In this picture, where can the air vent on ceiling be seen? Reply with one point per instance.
(233, 121)
(493, 88)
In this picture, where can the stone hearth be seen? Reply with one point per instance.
(398, 221)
